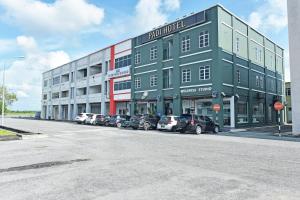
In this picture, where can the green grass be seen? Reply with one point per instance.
(20, 113)
(6, 133)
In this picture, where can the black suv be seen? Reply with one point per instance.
(102, 120)
(145, 122)
(196, 124)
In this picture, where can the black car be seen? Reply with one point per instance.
(196, 124)
(102, 120)
(123, 121)
(145, 122)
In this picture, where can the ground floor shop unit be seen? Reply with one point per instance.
(245, 108)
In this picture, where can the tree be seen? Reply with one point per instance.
(10, 97)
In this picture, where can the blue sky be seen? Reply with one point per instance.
(52, 32)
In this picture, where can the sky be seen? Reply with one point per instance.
(50, 33)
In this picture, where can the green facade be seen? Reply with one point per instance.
(245, 72)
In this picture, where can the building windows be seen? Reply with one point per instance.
(137, 57)
(257, 81)
(137, 83)
(167, 78)
(185, 44)
(153, 53)
(56, 80)
(186, 75)
(153, 80)
(204, 39)
(237, 44)
(122, 85)
(256, 53)
(45, 97)
(167, 50)
(55, 95)
(45, 83)
(242, 112)
(261, 82)
(204, 73)
(288, 91)
(238, 75)
(72, 77)
(72, 93)
(123, 62)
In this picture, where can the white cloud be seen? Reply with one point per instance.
(172, 4)
(270, 16)
(148, 14)
(60, 17)
(25, 76)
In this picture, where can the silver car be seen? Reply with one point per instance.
(168, 123)
(82, 117)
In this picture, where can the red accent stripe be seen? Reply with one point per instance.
(112, 103)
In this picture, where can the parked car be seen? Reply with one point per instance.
(37, 115)
(101, 119)
(122, 121)
(145, 122)
(92, 119)
(196, 124)
(82, 117)
(168, 123)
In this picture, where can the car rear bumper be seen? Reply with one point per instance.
(165, 127)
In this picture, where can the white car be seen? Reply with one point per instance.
(82, 117)
(91, 119)
(168, 123)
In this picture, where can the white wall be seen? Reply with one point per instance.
(294, 32)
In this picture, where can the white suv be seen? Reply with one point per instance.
(82, 117)
(168, 123)
(91, 119)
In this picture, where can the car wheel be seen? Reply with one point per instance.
(146, 126)
(173, 129)
(216, 129)
(119, 125)
(182, 131)
(198, 130)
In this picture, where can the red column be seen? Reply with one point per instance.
(112, 103)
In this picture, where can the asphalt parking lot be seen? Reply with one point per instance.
(85, 162)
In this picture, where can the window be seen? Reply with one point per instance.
(55, 95)
(242, 112)
(185, 44)
(257, 81)
(288, 91)
(153, 53)
(238, 75)
(122, 85)
(45, 97)
(72, 93)
(186, 75)
(237, 43)
(167, 78)
(262, 82)
(45, 83)
(167, 52)
(204, 73)
(137, 83)
(56, 80)
(272, 84)
(153, 80)
(256, 53)
(137, 57)
(204, 39)
(260, 55)
(72, 77)
(123, 61)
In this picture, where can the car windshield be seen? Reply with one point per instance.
(185, 116)
(80, 115)
(165, 118)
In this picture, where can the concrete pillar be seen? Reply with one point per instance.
(294, 45)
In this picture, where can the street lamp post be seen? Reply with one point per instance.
(3, 89)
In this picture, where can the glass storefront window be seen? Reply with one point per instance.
(204, 108)
(258, 113)
(226, 115)
(242, 112)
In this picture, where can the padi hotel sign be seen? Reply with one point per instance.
(174, 27)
